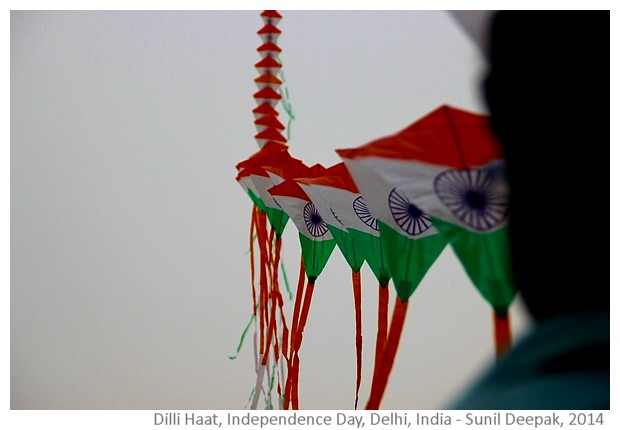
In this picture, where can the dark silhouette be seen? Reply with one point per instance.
(548, 93)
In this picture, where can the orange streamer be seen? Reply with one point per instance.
(503, 337)
(357, 298)
(299, 293)
(382, 328)
(261, 232)
(252, 273)
(389, 354)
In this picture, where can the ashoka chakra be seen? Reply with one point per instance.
(411, 219)
(471, 196)
(314, 223)
(362, 212)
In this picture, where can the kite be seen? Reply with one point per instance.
(394, 203)
(410, 245)
(255, 179)
(317, 245)
(451, 165)
(460, 177)
(357, 235)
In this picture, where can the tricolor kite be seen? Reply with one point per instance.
(317, 245)
(357, 235)
(394, 203)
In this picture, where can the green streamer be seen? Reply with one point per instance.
(269, 405)
(253, 240)
(288, 286)
(245, 331)
(286, 104)
(250, 398)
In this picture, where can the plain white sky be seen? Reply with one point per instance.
(129, 274)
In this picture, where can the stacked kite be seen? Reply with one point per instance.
(394, 203)
(255, 175)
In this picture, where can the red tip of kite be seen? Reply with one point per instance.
(270, 134)
(270, 14)
(269, 47)
(268, 63)
(447, 136)
(268, 79)
(265, 109)
(270, 121)
(289, 188)
(269, 29)
(267, 93)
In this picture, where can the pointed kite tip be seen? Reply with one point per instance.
(269, 29)
(271, 14)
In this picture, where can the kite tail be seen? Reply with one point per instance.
(357, 298)
(299, 293)
(503, 337)
(271, 298)
(252, 271)
(291, 398)
(389, 353)
(252, 280)
(260, 374)
(265, 314)
(300, 317)
(256, 391)
(303, 318)
(261, 233)
(271, 331)
(382, 328)
(280, 338)
(275, 290)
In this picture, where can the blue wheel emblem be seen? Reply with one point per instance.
(336, 217)
(471, 197)
(410, 218)
(314, 223)
(362, 212)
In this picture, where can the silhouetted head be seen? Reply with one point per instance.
(548, 94)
